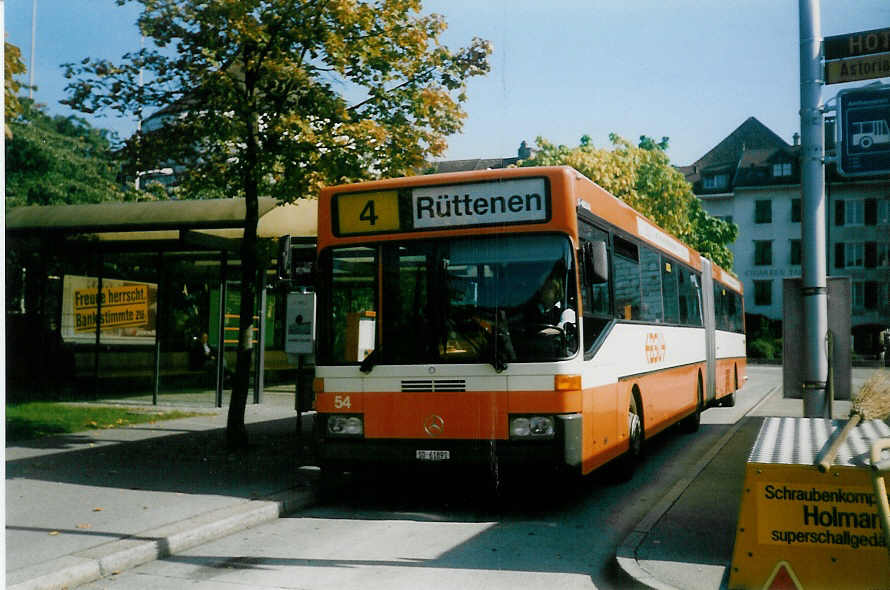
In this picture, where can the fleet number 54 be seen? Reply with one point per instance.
(342, 401)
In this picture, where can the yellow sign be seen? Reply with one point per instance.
(364, 213)
(824, 525)
(798, 514)
(857, 68)
(121, 307)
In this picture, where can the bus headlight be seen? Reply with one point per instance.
(345, 425)
(531, 427)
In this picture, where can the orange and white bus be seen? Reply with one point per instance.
(524, 315)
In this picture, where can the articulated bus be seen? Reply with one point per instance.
(516, 316)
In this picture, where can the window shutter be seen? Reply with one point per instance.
(871, 211)
(871, 254)
(839, 255)
(871, 294)
(839, 213)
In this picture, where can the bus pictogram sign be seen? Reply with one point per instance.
(864, 125)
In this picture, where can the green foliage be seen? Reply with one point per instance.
(59, 160)
(764, 337)
(12, 65)
(643, 177)
(285, 95)
(765, 348)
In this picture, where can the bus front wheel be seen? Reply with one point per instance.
(628, 462)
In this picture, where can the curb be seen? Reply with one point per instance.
(111, 558)
(626, 554)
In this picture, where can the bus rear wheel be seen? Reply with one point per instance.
(729, 400)
(691, 422)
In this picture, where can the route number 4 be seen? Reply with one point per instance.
(368, 214)
(342, 401)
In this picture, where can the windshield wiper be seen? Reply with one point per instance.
(501, 345)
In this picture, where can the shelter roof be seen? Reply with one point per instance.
(220, 221)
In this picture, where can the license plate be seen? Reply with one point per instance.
(432, 455)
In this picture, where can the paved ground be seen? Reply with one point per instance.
(85, 505)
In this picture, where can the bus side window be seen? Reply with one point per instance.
(672, 309)
(739, 318)
(691, 294)
(650, 266)
(595, 297)
(721, 307)
(627, 279)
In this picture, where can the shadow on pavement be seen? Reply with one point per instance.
(190, 462)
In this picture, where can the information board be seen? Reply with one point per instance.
(864, 125)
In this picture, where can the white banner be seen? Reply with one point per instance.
(511, 201)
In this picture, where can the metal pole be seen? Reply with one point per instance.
(298, 402)
(221, 332)
(96, 353)
(157, 352)
(259, 370)
(814, 287)
(33, 45)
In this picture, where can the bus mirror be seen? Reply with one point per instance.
(284, 258)
(597, 262)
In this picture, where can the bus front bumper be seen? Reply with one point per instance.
(563, 450)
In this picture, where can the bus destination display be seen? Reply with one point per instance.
(524, 200)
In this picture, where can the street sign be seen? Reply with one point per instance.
(864, 125)
(857, 56)
(867, 67)
(856, 44)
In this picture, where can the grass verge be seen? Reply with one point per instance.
(38, 419)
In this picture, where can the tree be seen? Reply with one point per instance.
(59, 161)
(643, 177)
(277, 97)
(12, 65)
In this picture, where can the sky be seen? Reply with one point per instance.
(690, 70)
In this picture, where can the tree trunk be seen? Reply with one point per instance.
(236, 431)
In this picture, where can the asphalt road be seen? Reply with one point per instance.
(413, 530)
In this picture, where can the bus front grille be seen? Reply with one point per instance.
(432, 385)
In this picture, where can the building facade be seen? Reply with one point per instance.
(752, 178)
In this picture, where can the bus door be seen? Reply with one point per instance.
(707, 290)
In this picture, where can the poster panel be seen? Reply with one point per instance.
(128, 310)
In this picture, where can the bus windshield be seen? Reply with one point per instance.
(493, 299)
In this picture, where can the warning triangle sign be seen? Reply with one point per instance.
(782, 578)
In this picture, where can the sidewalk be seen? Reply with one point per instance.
(686, 541)
(86, 505)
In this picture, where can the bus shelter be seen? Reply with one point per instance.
(141, 299)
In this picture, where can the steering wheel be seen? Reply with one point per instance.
(548, 330)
